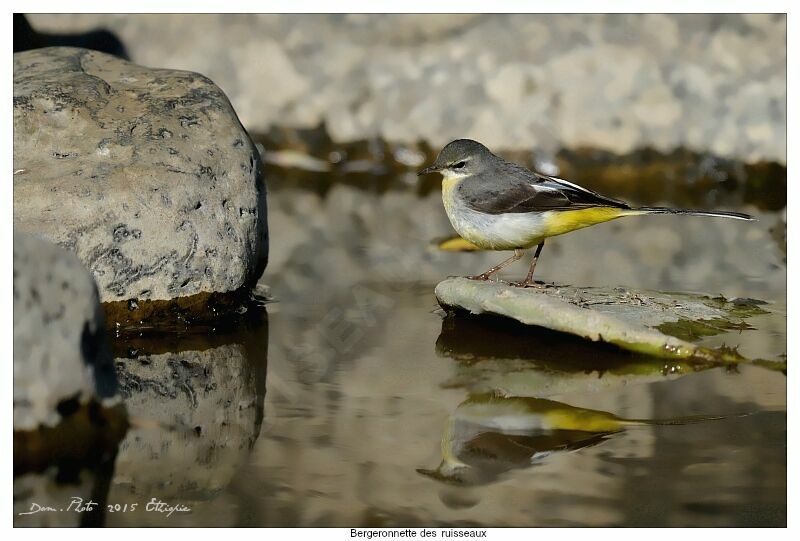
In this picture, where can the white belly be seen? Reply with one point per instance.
(492, 231)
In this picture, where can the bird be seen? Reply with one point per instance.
(500, 205)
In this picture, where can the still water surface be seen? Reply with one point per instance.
(356, 401)
(380, 411)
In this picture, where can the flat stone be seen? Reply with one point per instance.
(146, 174)
(651, 323)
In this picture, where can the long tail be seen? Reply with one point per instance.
(722, 214)
(688, 420)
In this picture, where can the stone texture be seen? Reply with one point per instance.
(710, 82)
(60, 351)
(633, 320)
(146, 174)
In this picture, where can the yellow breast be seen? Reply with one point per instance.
(448, 192)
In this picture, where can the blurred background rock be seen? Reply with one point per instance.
(710, 83)
(68, 414)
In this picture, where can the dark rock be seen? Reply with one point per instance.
(26, 38)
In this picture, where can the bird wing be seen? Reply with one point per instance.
(511, 188)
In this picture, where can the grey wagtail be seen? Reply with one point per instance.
(499, 205)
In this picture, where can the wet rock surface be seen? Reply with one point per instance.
(62, 360)
(146, 174)
(710, 83)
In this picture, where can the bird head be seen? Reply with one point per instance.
(460, 158)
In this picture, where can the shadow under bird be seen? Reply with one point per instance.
(499, 205)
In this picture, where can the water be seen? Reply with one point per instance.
(346, 434)
(337, 407)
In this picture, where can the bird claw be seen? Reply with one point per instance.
(481, 277)
(526, 284)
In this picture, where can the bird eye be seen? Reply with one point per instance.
(459, 165)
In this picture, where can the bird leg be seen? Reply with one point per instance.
(529, 279)
(485, 276)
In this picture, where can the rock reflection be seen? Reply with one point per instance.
(199, 402)
(497, 354)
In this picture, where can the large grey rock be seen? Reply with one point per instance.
(60, 352)
(708, 82)
(146, 174)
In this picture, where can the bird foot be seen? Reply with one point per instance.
(526, 283)
(482, 277)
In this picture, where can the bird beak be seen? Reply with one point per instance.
(431, 169)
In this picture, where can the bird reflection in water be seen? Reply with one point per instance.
(489, 435)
